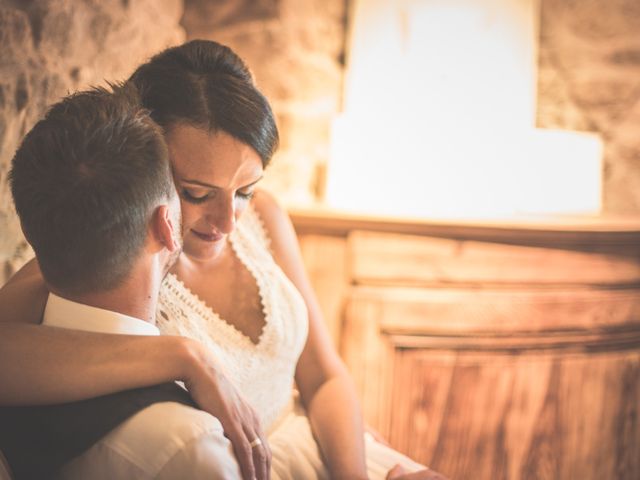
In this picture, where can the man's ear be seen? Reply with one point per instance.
(162, 231)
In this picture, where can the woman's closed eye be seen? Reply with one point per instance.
(245, 195)
(196, 196)
(193, 196)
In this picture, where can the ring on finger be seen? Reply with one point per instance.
(255, 442)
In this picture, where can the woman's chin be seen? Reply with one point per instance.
(197, 249)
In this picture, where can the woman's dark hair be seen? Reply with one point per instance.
(206, 85)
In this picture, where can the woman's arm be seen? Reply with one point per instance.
(45, 365)
(24, 296)
(41, 365)
(325, 386)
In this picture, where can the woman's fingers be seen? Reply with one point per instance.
(240, 424)
(214, 393)
(265, 446)
(260, 460)
(241, 449)
(260, 451)
(225, 404)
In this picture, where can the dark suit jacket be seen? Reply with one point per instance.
(38, 440)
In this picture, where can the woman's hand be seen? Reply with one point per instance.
(214, 393)
(399, 473)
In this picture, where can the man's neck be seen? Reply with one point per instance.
(136, 297)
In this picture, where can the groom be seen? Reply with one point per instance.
(93, 189)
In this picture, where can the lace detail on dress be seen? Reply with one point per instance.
(264, 371)
(200, 308)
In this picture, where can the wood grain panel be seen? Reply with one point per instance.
(377, 258)
(495, 351)
(522, 401)
(469, 311)
(503, 417)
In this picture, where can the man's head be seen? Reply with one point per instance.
(87, 181)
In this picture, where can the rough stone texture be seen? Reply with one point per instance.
(589, 79)
(53, 47)
(589, 75)
(295, 49)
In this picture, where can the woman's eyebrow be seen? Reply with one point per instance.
(252, 183)
(197, 182)
(208, 185)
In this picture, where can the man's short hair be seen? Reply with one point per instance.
(85, 182)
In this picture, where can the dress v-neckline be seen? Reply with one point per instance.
(207, 312)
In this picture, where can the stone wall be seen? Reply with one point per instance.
(589, 76)
(295, 49)
(52, 47)
(589, 79)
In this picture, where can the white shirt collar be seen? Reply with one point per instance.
(64, 313)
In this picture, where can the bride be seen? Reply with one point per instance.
(241, 323)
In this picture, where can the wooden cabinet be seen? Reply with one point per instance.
(490, 351)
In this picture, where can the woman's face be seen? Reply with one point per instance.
(215, 176)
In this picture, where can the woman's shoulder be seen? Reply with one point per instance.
(266, 206)
(276, 222)
(274, 218)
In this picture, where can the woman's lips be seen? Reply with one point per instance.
(207, 237)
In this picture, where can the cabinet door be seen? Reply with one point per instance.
(501, 402)
(489, 361)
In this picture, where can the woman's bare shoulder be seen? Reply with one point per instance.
(275, 219)
(278, 226)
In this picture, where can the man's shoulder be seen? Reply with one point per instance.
(163, 428)
(143, 445)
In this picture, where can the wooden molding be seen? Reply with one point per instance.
(524, 342)
(561, 231)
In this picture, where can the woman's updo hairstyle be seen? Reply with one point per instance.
(206, 85)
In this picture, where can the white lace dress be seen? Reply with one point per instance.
(264, 372)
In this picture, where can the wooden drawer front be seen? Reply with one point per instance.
(391, 259)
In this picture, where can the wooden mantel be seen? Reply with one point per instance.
(560, 230)
(489, 350)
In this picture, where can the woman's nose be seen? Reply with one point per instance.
(223, 215)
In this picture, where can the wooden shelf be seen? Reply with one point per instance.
(558, 231)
